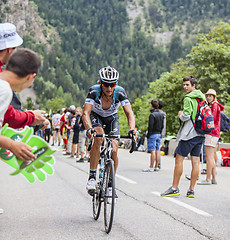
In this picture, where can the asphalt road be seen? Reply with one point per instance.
(60, 208)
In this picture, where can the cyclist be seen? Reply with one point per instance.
(101, 110)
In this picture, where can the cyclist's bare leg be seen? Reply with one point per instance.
(114, 156)
(95, 150)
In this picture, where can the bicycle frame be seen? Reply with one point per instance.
(102, 193)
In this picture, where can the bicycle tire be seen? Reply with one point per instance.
(109, 205)
(97, 203)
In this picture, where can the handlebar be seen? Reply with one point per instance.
(133, 146)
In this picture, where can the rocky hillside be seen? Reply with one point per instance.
(25, 16)
(139, 10)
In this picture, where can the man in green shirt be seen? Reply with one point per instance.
(189, 140)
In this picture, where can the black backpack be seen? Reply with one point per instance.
(224, 122)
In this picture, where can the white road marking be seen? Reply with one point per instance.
(126, 179)
(196, 210)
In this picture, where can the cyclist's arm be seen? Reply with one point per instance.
(86, 115)
(130, 116)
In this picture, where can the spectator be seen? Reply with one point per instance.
(13, 116)
(212, 138)
(47, 131)
(39, 133)
(189, 140)
(17, 76)
(63, 129)
(156, 119)
(56, 127)
(82, 141)
(71, 127)
(160, 106)
(62, 120)
(163, 133)
(21, 69)
(68, 128)
(76, 130)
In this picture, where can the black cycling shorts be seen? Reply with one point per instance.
(109, 124)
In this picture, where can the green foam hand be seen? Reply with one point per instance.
(41, 166)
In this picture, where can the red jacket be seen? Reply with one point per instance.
(216, 109)
(1, 64)
(17, 119)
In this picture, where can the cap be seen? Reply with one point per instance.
(72, 107)
(67, 114)
(211, 92)
(9, 38)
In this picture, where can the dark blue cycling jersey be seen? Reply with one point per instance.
(94, 98)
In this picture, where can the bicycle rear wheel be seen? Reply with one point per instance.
(109, 197)
(97, 202)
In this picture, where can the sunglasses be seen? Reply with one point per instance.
(105, 84)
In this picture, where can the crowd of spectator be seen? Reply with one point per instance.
(67, 130)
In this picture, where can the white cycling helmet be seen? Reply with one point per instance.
(108, 74)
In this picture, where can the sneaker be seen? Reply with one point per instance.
(66, 153)
(58, 144)
(52, 144)
(80, 160)
(171, 192)
(91, 186)
(203, 171)
(214, 182)
(190, 194)
(71, 156)
(156, 169)
(109, 194)
(1, 211)
(148, 170)
(159, 165)
(204, 182)
(189, 177)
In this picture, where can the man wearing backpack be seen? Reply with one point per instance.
(189, 140)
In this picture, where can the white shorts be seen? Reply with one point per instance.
(211, 140)
(82, 139)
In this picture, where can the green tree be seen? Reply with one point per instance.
(211, 59)
(55, 104)
(175, 48)
(169, 89)
(29, 104)
(209, 62)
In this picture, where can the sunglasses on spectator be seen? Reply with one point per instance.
(105, 84)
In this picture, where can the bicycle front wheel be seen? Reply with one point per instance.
(97, 203)
(109, 196)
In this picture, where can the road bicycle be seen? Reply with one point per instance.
(106, 174)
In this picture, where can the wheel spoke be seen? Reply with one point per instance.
(96, 203)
